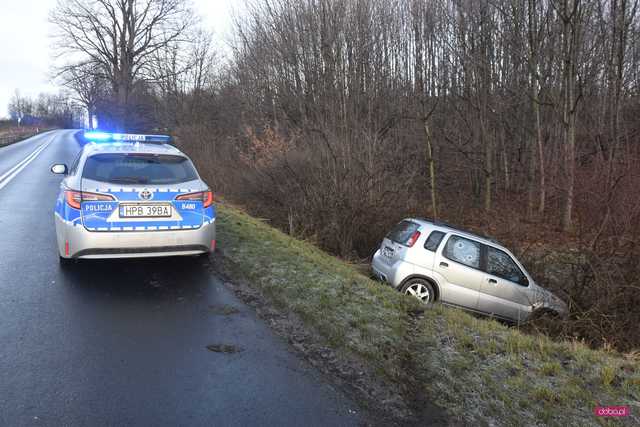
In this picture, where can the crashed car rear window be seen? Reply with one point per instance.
(403, 231)
(136, 168)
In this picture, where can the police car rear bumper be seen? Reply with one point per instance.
(132, 244)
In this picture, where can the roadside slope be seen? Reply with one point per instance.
(483, 372)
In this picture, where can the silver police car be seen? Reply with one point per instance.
(433, 261)
(131, 196)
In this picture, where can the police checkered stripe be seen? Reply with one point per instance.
(137, 190)
(143, 228)
(139, 228)
(147, 228)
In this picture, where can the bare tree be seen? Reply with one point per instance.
(88, 84)
(117, 37)
(19, 106)
(573, 15)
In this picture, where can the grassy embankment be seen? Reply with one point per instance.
(481, 371)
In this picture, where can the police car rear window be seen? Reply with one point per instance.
(134, 168)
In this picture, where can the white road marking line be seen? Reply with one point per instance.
(9, 175)
(6, 174)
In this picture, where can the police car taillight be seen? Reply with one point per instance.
(95, 197)
(75, 198)
(205, 196)
(208, 198)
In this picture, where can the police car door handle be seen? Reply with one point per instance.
(444, 264)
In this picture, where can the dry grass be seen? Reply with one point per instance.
(14, 134)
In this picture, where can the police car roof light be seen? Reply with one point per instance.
(97, 136)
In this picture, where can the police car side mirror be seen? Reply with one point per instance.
(60, 169)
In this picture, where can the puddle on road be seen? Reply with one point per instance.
(224, 348)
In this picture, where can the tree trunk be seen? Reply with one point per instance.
(488, 172)
(571, 28)
(541, 163)
(432, 168)
(90, 114)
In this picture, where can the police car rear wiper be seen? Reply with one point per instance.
(130, 179)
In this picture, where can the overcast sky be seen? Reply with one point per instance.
(25, 55)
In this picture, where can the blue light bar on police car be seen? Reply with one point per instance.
(98, 136)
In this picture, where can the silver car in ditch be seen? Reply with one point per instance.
(132, 196)
(437, 262)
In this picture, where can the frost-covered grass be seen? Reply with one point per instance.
(481, 371)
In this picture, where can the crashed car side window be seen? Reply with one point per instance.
(500, 264)
(464, 251)
(433, 241)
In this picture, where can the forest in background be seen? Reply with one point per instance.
(334, 119)
(43, 111)
(517, 118)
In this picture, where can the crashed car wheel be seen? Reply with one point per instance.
(420, 289)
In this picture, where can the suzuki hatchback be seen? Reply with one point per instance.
(433, 261)
(129, 196)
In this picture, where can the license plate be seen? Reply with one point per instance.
(388, 252)
(145, 211)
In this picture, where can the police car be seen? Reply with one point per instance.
(132, 196)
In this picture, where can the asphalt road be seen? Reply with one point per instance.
(125, 342)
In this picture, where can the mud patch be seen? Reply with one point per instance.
(223, 310)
